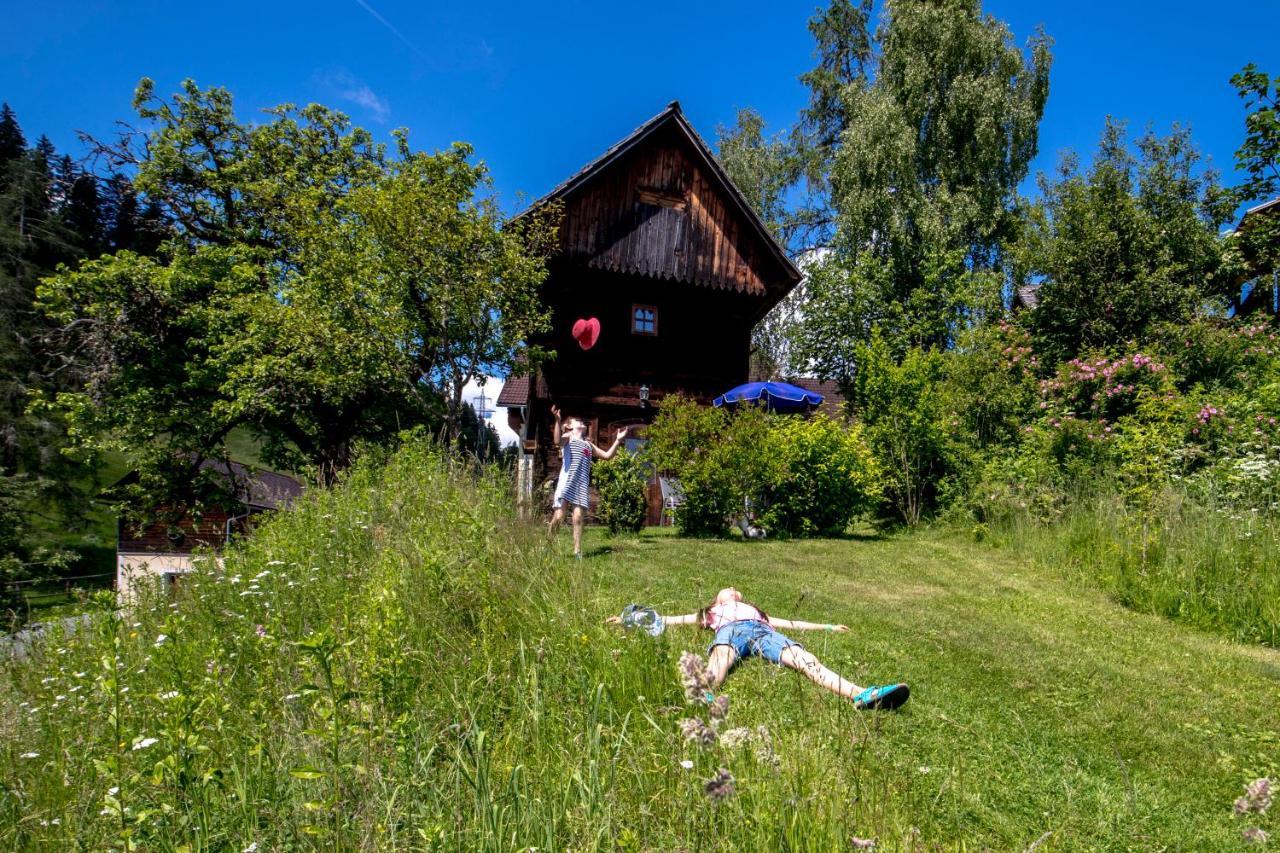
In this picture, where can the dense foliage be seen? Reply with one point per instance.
(318, 291)
(793, 476)
(621, 483)
(51, 212)
(1094, 366)
(1129, 245)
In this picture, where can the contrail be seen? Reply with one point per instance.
(394, 31)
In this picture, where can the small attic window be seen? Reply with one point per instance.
(662, 198)
(644, 320)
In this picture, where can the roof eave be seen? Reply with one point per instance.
(616, 151)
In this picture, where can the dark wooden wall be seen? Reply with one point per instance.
(658, 213)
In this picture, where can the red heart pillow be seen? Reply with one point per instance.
(586, 332)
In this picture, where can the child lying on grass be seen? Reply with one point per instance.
(743, 630)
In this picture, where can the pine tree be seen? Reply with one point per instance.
(13, 145)
(82, 215)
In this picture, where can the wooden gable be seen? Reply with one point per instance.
(658, 205)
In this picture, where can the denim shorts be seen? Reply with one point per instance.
(750, 637)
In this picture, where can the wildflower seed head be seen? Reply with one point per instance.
(696, 730)
(764, 747)
(735, 738)
(1258, 794)
(694, 677)
(719, 708)
(862, 843)
(1255, 834)
(720, 787)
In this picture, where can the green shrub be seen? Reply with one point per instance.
(800, 476)
(826, 477)
(715, 456)
(908, 424)
(622, 482)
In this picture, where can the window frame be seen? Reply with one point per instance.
(637, 307)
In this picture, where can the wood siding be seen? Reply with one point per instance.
(658, 213)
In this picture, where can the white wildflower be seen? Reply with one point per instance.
(172, 694)
(143, 742)
(687, 764)
(160, 640)
(29, 755)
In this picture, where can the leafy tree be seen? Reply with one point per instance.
(844, 49)
(315, 290)
(1129, 244)
(466, 280)
(1259, 154)
(764, 169)
(1259, 157)
(925, 178)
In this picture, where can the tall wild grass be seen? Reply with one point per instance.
(398, 663)
(1209, 564)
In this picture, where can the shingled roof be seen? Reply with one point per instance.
(254, 488)
(515, 392)
(673, 117)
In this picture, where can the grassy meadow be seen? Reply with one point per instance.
(401, 664)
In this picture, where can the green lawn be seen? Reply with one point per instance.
(399, 663)
(1038, 708)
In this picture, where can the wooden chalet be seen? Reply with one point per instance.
(162, 553)
(658, 245)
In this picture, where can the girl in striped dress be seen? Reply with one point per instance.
(575, 473)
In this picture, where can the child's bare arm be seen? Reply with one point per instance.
(686, 619)
(799, 625)
(613, 448)
(556, 435)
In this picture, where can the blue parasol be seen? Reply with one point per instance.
(777, 396)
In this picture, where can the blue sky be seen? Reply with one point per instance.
(541, 88)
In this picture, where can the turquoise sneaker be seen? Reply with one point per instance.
(886, 698)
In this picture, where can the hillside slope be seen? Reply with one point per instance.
(401, 664)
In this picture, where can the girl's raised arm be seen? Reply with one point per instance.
(798, 625)
(556, 435)
(617, 440)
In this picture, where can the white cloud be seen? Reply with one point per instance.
(344, 85)
(498, 419)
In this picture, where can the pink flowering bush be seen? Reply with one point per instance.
(1103, 388)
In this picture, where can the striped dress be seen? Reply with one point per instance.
(575, 475)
